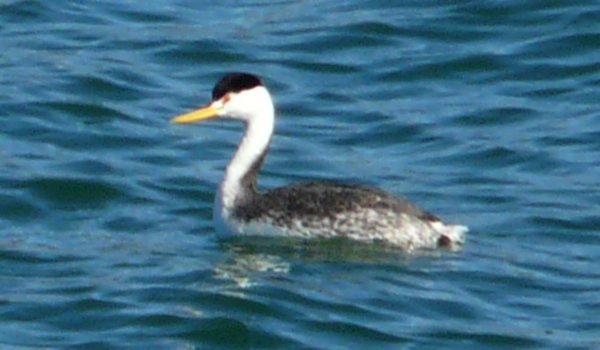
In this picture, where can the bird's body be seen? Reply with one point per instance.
(322, 209)
(313, 209)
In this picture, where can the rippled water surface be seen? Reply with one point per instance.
(484, 112)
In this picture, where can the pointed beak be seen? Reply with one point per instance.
(206, 112)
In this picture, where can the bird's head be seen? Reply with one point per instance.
(240, 96)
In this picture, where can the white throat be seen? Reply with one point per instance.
(255, 108)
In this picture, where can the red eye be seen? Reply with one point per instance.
(226, 98)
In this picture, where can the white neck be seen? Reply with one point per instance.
(260, 123)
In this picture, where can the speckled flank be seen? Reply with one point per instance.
(352, 211)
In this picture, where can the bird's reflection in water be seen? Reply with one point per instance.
(250, 259)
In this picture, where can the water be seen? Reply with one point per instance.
(486, 113)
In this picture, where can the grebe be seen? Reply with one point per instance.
(313, 209)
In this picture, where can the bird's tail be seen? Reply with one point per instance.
(450, 235)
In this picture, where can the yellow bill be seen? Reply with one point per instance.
(197, 115)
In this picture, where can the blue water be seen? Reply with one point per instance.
(486, 113)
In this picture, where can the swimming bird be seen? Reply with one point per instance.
(306, 210)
